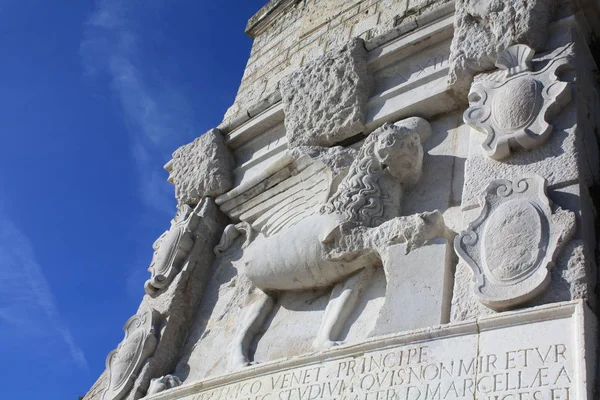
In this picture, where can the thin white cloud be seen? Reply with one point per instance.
(156, 113)
(27, 306)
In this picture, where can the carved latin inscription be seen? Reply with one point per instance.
(514, 241)
(509, 359)
(514, 110)
(417, 373)
(125, 362)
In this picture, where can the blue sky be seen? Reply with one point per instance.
(95, 96)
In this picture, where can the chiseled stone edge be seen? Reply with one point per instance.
(409, 25)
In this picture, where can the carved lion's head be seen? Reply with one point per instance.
(398, 147)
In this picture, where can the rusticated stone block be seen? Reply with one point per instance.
(202, 168)
(325, 101)
(483, 29)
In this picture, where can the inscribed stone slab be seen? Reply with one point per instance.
(534, 354)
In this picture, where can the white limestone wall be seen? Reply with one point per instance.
(410, 68)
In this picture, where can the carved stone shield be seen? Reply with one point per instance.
(512, 244)
(125, 362)
(171, 249)
(514, 109)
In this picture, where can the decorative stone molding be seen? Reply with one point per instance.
(325, 101)
(202, 168)
(512, 244)
(124, 363)
(514, 109)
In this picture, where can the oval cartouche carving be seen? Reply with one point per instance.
(515, 104)
(512, 241)
(511, 246)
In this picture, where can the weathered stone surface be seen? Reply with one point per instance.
(414, 231)
(572, 277)
(201, 168)
(514, 242)
(483, 29)
(465, 304)
(224, 308)
(338, 159)
(576, 273)
(216, 320)
(179, 300)
(428, 285)
(325, 101)
(440, 186)
(569, 280)
(290, 34)
(309, 307)
(331, 247)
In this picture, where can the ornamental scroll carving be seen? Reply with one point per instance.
(124, 363)
(513, 108)
(512, 245)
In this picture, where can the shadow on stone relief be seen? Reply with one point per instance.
(514, 242)
(528, 144)
(378, 293)
(513, 107)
